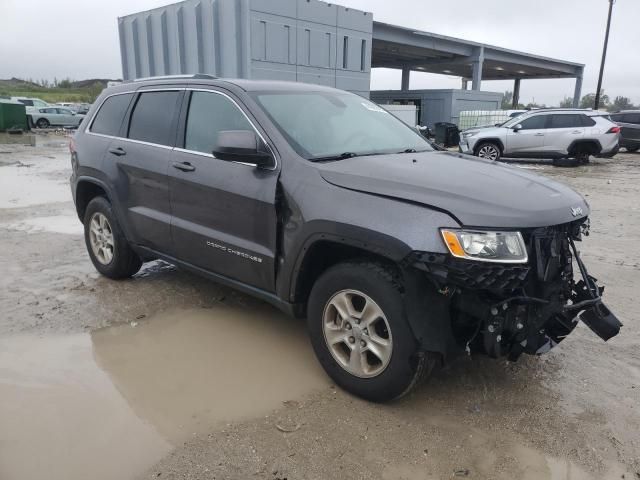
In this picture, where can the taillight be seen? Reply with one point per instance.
(72, 145)
(615, 129)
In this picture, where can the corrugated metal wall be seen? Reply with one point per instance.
(297, 40)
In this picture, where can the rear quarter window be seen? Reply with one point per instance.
(587, 121)
(152, 117)
(110, 116)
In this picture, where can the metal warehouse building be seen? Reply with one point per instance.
(317, 42)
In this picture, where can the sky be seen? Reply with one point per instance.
(43, 39)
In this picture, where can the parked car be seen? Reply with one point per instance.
(32, 104)
(549, 133)
(629, 122)
(325, 205)
(56, 116)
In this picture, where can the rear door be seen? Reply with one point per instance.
(563, 130)
(529, 139)
(137, 162)
(224, 214)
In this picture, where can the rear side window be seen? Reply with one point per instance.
(534, 123)
(566, 121)
(587, 121)
(28, 103)
(617, 117)
(110, 116)
(153, 116)
(210, 113)
(631, 118)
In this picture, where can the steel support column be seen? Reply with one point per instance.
(406, 77)
(465, 84)
(478, 62)
(577, 93)
(516, 94)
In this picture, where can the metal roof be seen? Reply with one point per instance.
(398, 47)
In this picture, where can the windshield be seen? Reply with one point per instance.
(322, 125)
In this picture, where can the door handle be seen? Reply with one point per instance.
(539, 135)
(576, 132)
(184, 166)
(117, 151)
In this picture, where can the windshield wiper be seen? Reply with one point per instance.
(341, 156)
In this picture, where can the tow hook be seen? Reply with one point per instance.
(588, 294)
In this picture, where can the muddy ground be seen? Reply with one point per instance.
(171, 376)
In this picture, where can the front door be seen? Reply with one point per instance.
(223, 213)
(138, 161)
(529, 139)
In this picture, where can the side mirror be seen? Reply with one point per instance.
(241, 146)
(517, 127)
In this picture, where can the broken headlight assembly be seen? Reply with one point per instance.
(484, 246)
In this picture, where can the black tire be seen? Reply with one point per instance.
(632, 149)
(488, 151)
(582, 158)
(43, 123)
(406, 366)
(124, 262)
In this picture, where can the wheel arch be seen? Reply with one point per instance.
(493, 140)
(87, 189)
(322, 250)
(592, 146)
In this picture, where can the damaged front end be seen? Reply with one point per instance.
(510, 309)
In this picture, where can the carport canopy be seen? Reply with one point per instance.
(414, 50)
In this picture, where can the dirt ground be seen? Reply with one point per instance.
(171, 376)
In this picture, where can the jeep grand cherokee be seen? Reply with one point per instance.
(322, 203)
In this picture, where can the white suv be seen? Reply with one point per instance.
(557, 133)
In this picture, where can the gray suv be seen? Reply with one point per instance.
(552, 133)
(629, 123)
(330, 208)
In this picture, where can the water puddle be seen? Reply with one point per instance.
(66, 223)
(110, 404)
(42, 182)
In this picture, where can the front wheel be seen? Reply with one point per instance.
(107, 246)
(488, 151)
(360, 334)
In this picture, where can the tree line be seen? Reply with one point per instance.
(587, 101)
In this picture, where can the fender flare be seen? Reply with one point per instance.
(591, 141)
(348, 235)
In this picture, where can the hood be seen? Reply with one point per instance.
(480, 127)
(476, 192)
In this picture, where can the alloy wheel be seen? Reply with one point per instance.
(489, 152)
(101, 238)
(357, 333)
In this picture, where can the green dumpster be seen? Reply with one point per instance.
(13, 115)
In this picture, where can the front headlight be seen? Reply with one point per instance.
(468, 134)
(499, 247)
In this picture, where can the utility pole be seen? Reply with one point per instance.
(604, 56)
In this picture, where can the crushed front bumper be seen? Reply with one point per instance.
(507, 310)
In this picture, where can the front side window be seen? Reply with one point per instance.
(109, 118)
(152, 117)
(566, 121)
(534, 123)
(326, 124)
(210, 113)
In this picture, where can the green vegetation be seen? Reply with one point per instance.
(619, 103)
(64, 90)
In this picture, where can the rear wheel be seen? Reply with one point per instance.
(360, 334)
(488, 151)
(582, 158)
(108, 248)
(43, 123)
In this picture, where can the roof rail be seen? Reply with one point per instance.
(194, 76)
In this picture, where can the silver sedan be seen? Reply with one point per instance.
(56, 116)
